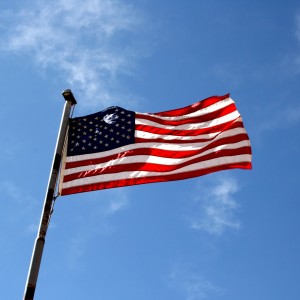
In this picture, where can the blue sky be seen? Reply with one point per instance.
(231, 235)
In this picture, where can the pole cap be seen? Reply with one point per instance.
(68, 95)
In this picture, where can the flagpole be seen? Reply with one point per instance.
(49, 199)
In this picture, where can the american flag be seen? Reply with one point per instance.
(118, 147)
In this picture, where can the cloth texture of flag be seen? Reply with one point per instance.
(118, 147)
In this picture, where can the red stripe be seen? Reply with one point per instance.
(190, 132)
(192, 108)
(135, 181)
(192, 120)
(175, 141)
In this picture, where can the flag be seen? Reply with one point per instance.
(118, 147)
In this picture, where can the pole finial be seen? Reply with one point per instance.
(68, 95)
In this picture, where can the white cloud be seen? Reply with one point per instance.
(297, 31)
(192, 285)
(115, 205)
(98, 221)
(90, 44)
(76, 249)
(282, 117)
(112, 201)
(291, 62)
(217, 206)
(20, 207)
(282, 114)
(197, 288)
(10, 190)
(8, 147)
(32, 228)
(228, 74)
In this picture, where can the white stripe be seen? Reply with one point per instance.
(149, 135)
(153, 159)
(210, 136)
(143, 174)
(229, 117)
(162, 146)
(214, 107)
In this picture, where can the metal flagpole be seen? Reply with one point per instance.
(49, 199)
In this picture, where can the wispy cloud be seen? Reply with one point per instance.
(231, 79)
(99, 222)
(8, 147)
(89, 44)
(120, 202)
(11, 190)
(76, 249)
(216, 206)
(297, 35)
(297, 31)
(291, 61)
(192, 285)
(281, 118)
(282, 114)
(19, 207)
